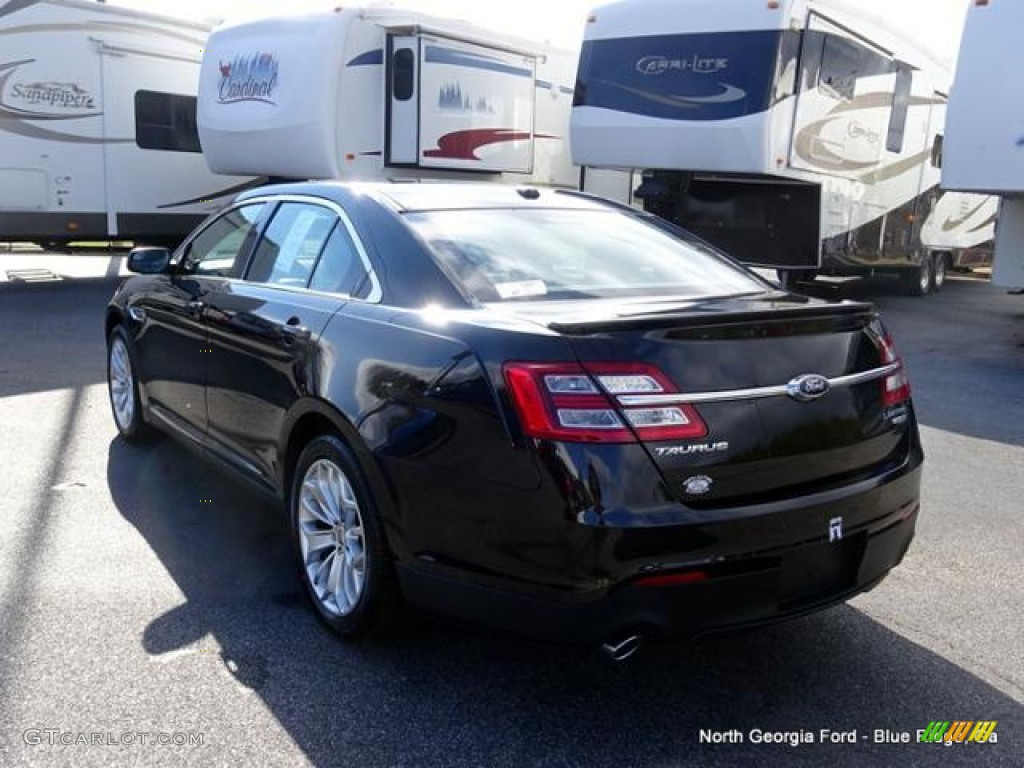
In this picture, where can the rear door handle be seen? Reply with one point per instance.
(196, 307)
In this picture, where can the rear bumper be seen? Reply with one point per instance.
(738, 591)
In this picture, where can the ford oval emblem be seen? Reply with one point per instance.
(697, 486)
(808, 387)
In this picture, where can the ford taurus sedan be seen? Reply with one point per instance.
(530, 408)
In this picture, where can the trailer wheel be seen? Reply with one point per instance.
(920, 280)
(940, 269)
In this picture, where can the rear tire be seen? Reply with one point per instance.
(919, 280)
(940, 269)
(339, 540)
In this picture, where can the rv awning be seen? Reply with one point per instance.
(451, 30)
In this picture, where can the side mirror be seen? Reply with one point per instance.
(149, 260)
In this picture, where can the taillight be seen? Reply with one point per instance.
(565, 401)
(895, 386)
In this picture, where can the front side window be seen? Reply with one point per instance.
(499, 255)
(221, 248)
(289, 249)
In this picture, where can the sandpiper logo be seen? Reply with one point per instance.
(701, 65)
(248, 78)
(53, 95)
(959, 732)
(47, 99)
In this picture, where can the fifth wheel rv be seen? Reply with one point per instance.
(97, 125)
(372, 94)
(984, 148)
(799, 135)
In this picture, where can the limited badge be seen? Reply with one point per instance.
(698, 485)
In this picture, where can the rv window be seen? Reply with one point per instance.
(786, 67)
(166, 121)
(900, 105)
(291, 245)
(844, 62)
(220, 248)
(403, 74)
(937, 151)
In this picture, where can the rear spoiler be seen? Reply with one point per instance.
(849, 314)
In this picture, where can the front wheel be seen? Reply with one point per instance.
(123, 387)
(339, 539)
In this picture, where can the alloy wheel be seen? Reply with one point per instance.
(122, 384)
(331, 538)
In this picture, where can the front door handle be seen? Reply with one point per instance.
(196, 307)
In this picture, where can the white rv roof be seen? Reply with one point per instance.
(396, 18)
(627, 18)
(403, 19)
(116, 10)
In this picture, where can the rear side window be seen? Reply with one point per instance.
(289, 249)
(511, 254)
(340, 269)
(221, 248)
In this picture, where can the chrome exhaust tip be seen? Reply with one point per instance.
(623, 648)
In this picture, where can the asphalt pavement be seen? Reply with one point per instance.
(145, 597)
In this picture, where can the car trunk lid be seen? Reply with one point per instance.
(792, 391)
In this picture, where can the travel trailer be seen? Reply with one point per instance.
(799, 135)
(384, 94)
(98, 137)
(984, 144)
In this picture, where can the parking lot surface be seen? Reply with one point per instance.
(143, 593)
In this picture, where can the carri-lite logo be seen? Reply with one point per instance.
(959, 732)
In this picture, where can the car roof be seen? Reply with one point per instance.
(437, 196)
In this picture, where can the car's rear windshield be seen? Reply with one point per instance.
(543, 254)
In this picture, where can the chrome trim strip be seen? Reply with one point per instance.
(229, 456)
(158, 411)
(755, 393)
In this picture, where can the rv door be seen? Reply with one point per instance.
(402, 74)
(460, 106)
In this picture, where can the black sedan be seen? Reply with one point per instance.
(529, 408)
